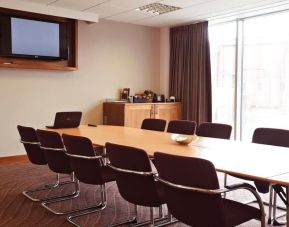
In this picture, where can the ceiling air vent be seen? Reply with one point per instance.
(158, 8)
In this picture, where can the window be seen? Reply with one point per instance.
(223, 50)
(264, 73)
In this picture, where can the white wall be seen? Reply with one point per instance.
(111, 56)
(164, 60)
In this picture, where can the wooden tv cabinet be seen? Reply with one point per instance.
(132, 114)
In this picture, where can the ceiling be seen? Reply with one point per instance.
(192, 10)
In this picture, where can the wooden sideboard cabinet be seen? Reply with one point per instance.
(132, 114)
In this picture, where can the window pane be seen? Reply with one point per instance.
(223, 48)
(265, 73)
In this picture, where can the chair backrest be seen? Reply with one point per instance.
(214, 130)
(154, 124)
(83, 161)
(192, 208)
(182, 127)
(271, 136)
(136, 188)
(53, 149)
(31, 144)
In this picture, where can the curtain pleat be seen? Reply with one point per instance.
(190, 71)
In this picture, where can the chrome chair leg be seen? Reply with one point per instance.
(54, 185)
(167, 220)
(270, 205)
(272, 209)
(275, 216)
(152, 217)
(225, 183)
(274, 204)
(91, 209)
(160, 221)
(161, 214)
(104, 159)
(72, 177)
(46, 187)
(132, 220)
(61, 198)
(157, 222)
(170, 216)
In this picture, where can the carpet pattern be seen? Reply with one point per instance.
(17, 210)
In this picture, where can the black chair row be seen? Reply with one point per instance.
(36, 156)
(267, 136)
(215, 130)
(47, 147)
(76, 155)
(189, 186)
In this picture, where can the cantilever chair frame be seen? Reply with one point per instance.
(47, 186)
(90, 209)
(272, 204)
(220, 191)
(75, 194)
(272, 218)
(161, 219)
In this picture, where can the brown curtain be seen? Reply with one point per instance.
(190, 71)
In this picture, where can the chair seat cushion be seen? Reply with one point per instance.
(237, 213)
(108, 174)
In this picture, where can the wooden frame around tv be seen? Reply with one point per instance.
(25, 63)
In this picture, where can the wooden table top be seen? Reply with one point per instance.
(256, 161)
(281, 179)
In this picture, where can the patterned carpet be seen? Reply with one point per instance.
(17, 210)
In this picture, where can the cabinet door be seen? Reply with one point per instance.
(135, 113)
(168, 112)
(113, 113)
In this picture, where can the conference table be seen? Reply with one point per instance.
(256, 161)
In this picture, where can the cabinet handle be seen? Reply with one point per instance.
(152, 112)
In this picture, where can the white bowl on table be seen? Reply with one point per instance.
(183, 139)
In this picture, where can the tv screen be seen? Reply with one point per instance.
(34, 38)
(22, 37)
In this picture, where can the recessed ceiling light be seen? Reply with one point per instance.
(158, 8)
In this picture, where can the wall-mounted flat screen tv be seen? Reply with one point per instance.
(29, 38)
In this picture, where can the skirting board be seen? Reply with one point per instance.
(14, 159)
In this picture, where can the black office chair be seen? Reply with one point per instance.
(53, 148)
(214, 130)
(135, 179)
(275, 137)
(191, 190)
(154, 124)
(182, 127)
(36, 156)
(269, 136)
(88, 168)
